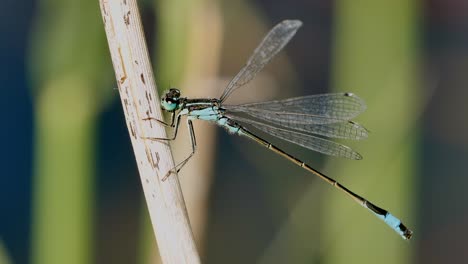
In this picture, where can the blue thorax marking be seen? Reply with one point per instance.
(209, 111)
(208, 114)
(204, 109)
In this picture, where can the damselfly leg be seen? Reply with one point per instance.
(176, 129)
(161, 121)
(193, 142)
(181, 164)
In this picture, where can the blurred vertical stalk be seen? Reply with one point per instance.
(68, 62)
(173, 21)
(375, 56)
(188, 49)
(4, 257)
(64, 169)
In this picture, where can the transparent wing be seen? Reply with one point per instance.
(306, 110)
(273, 42)
(307, 141)
(343, 130)
(346, 130)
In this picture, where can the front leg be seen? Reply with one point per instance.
(162, 122)
(176, 128)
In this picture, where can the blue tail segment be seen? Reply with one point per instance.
(398, 226)
(390, 220)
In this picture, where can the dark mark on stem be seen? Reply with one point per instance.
(148, 115)
(127, 18)
(126, 105)
(142, 78)
(148, 98)
(104, 9)
(154, 165)
(132, 130)
(124, 77)
(148, 155)
(157, 160)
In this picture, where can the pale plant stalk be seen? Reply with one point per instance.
(154, 159)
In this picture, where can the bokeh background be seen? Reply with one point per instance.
(69, 187)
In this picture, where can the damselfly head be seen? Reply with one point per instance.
(171, 100)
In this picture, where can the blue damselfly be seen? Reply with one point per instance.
(306, 121)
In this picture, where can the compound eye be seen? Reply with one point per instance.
(174, 92)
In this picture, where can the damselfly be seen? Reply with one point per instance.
(306, 121)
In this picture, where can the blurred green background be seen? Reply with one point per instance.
(69, 187)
